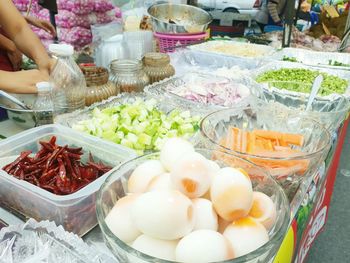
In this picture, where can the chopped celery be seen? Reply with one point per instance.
(139, 125)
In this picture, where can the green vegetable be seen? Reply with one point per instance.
(337, 63)
(140, 126)
(290, 59)
(301, 80)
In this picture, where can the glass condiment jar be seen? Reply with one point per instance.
(157, 66)
(128, 75)
(98, 86)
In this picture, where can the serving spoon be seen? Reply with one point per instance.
(315, 88)
(14, 100)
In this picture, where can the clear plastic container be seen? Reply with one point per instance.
(68, 82)
(128, 75)
(43, 105)
(115, 187)
(75, 212)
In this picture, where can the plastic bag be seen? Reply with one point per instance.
(103, 32)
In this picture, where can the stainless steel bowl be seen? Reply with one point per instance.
(179, 19)
(23, 118)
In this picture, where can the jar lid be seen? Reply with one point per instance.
(156, 59)
(61, 49)
(43, 87)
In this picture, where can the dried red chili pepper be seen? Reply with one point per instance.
(22, 156)
(55, 168)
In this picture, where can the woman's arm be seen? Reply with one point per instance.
(21, 81)
(7, 44)
(14, 55)
(20, 33)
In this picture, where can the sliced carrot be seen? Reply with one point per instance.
(295, 139)
(244, 141)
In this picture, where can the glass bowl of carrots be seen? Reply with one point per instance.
(291, 149)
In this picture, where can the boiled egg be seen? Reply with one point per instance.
(172, 150)
(202, 246)
(191, 175)
(231, 193)
(205, 215)
(163, 249)
(246, 235)
(143, 174)
(222, 224)
(119, 219)
(263, 210)
(163, 214)
(160, 182)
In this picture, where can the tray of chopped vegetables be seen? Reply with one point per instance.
(206, 92)
(314, 58)
(135, 120)
(296, 80)
(230, 53)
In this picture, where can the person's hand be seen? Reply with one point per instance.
(42, 24)
(25, 81)
(15, 58)
(48, 66)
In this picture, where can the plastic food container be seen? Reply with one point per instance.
(166, 106)
(288, 87)
(114, 188)
(206, 92)
(290, 171)
(315, 58)
(75, 212)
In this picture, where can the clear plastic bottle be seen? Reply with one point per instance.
(67, 80)
(43, 104)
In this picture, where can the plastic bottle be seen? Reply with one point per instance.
(67, 80)
(43, 104)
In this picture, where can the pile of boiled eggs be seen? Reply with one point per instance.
(186, 208)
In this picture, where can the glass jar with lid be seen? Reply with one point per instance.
(98, 86)
(157, 66)
(128, 75)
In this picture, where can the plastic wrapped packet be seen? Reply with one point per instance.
(35, 242)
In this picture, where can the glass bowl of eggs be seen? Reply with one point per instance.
(192, 205)
(291, 149)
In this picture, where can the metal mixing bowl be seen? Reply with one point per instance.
(179, 19)
(23, 118)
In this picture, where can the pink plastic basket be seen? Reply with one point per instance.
(168, 42)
